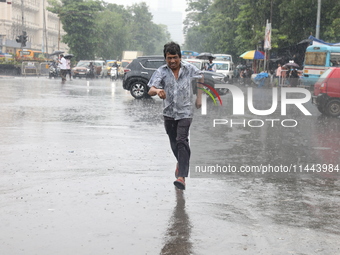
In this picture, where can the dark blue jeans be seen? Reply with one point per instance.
(178, 132)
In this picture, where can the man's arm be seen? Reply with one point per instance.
(206, 67)
(154, 91)
(199, 92)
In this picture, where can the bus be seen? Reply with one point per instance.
(223, 57)
(186, 54)
(32, 55)
(319, 58)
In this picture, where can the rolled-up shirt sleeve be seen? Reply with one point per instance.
(197, 74)
(156, 80)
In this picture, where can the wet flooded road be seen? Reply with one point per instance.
(87, 169)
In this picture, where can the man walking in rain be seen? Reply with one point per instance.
(63, 68)
(173, 83)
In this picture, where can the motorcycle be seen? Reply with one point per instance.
(53, 70)
(90, 72)
(114, 73)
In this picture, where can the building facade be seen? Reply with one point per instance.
(42, 27)
(172, 19)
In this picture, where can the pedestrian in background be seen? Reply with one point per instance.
(63, 68)
(210, 66)
(58, 65)
(68, 68)
(278, 74)
(284, 76)
(293, 77)
(173, 83)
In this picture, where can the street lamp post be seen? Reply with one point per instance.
(22, 26)
(317, 33)
(59, 33)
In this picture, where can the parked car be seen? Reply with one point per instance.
(226, 68)
(327, 92)
(81, 69)
(210, 78)
(125, 63)
(222, 67)
(139, 71)
(199, 63)
(100, 67)
(223, 57)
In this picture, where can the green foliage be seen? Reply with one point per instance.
(112, 30)
(79, 18)
(144, 35)
(235, 26)
(8, 61)
(96, 29)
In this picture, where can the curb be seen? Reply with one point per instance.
(6, 77)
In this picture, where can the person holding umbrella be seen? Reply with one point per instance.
(68, 68)
(210, 66)
(294, 77)
(68, 65)
(63, 68)
(292, 73)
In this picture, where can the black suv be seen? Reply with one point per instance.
(139, 71)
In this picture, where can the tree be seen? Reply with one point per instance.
(330, 21)
(95, 28)
(196, 25)
(112, 32)
(78, 18)
(224, 26)
(234, 26)
(162, 36)
(144, 35)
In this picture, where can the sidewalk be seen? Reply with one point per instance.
(6, 77)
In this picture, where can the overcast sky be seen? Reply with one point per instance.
(154, 5)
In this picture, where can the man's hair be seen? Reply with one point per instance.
(172, 48)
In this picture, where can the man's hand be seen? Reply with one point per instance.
(198, 102)
(159, 92)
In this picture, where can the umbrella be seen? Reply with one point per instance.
(69, 56)
(292, 64)
(57, 52)
(253, 54)
(205, 55)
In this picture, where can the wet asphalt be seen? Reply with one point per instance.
(87, 169)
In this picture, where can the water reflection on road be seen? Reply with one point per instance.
(178, 234)
(100, 160)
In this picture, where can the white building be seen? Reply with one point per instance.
(43, 28)
(172, 19)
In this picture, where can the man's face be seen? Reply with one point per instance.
(173, 61)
